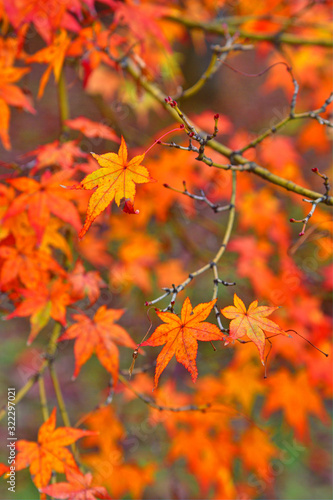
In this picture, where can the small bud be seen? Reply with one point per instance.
(156, 309)
(158, 142)
(182, 126)
(217, 116)
(146, 303)
(301, 233)
(191, 134)
(315, 169)
(291, 220)
(166, 185)
(172, 302)
(174, 103)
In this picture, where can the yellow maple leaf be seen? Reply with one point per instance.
(114, 180)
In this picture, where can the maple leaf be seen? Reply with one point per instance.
(92, 129)
(295, 396)
(54, 54)
(114, 180)
(41, 199)
(85, 283)
(101, 335)
(257, 450)
(10, 94)
(251, 322)
(52, 237)
(78, 487)
(137, 257)
(26, 263)
(181, 334)
(104, 454)
(62, 154)
(45, 21)
(135, 16)
(41, 303)
(49, 453)
(3, 469)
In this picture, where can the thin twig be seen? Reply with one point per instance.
(292, 116)
(310, 214)
(218, 57)
(49, 356)
(216, 207)
(174, 290)
(43, 400)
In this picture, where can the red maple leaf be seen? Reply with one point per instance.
(50, 452)
(99, 335)
(180, 336)
(42, 303)
(92, 129)
(78, 487)
(41, 199)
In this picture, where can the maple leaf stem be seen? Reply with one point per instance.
(157, 141)
(308, 341)
(59, 396)
(63, 101)
(43, 399)
(61, 402)
(51, 349)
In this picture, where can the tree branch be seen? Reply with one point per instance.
(234, 156)
(217, 28)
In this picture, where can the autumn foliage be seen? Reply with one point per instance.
(165, 249)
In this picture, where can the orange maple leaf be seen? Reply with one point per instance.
(296, 396)
(104, 455)
(78, 487)
(84, 283)
(114, 180)
(49, 453)
(10, 94)
(45, 21)
(54, 54)
(42, 198)
(251, 322)
(92, 129)
(41, 303)
(99, 334)
(28, 264)
(62, 154)
(180, 336)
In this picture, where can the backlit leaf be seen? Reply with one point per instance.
(180, 336)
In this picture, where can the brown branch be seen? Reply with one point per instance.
(217, 28)
(174, 290)
(236, 158)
